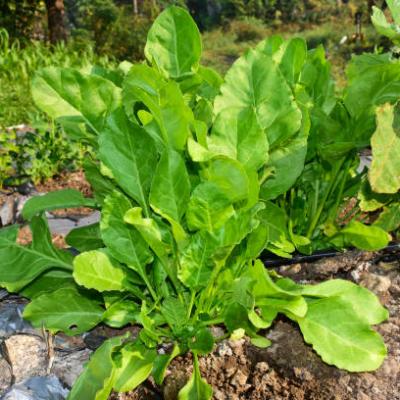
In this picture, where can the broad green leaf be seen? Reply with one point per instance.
(161, 363)
(230, 177)
(85, 238)
(286, 161)
(272, 233)
(128, 151)
(208, 208)
(196, 262)
(159, 105)
(384, 174)
(121, 313)
(372, 80)
(340, 337)
(197, 388)
(101, 185)
(49, 281)
(133, 364)
(265, 287)
(255, 82)
(96, 381)
(270, 45)
(294, 305)
(291, 58)
(236, 320)
(174, 43)
(149, 230)
(211, 82)
(237, 227)
(369, 200)
(361, 236)
(170, 189)
(260, 341)
(394, 7)
(123, 241)
(65, 92)
(203, 341)
(95, 270)
(384, 27)
(20, 265)
(66, 198)
(389, 218)
(234, 135)
(66, 310)
(152, 234)
(364, 302)
(258, 321)
(174, 312)
(316, 77)
(8, 234)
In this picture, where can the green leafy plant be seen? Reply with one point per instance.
(183, 166)
(43, 150)
(383, 26)
(318, 210)
(37, 154)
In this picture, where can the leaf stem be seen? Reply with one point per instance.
(192, 299)
(321, 206)
(151, 290)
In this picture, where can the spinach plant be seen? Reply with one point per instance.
(328, 203)
(183, 167)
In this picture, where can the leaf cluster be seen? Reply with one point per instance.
(186, 170)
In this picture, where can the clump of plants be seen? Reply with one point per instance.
(184, 167)
(37, 154)
(334, 201)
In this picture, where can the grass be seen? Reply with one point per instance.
(224, 45)
(18, 64)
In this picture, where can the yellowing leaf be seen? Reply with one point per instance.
(384, 174)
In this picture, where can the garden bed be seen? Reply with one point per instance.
(289, 369)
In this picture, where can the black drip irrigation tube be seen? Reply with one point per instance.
(276, 261)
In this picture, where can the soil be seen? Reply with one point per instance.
(71, 180)
(290, 369)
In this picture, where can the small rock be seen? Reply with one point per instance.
(11, 320)
(5, 374)
(68, 344)
(61, 226)
(239, 379)
(290, 269)
(19, 205)
(27, 355)
(262, 367)
(7, 212)
(303, 374)
(26, 188)
(388, 266)
(217, 331)
(69, 366)
(91, 219)
(376, 283)
(224, 349)
(173, 384)
(37, 388)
